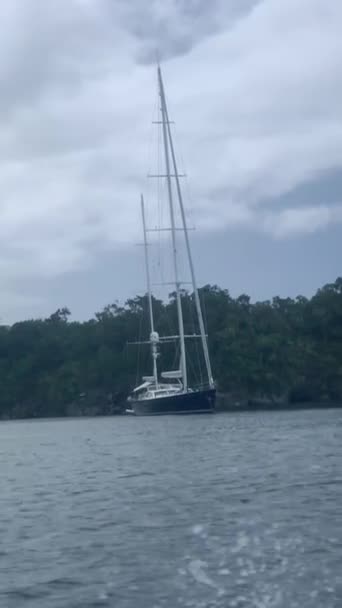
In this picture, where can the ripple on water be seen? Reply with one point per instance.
(236, 510)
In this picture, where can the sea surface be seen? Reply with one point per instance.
(227, 510)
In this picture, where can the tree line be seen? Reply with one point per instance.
(281, 348)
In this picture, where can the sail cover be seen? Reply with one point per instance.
(173, 375)
(141, 386)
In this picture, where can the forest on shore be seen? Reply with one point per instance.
(282, 350)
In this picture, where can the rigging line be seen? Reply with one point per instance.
(171, 327)
(204, 313)
(159, 194)
(157, 191)
(169, 161)
(197, 349)
(142, 315)
(196, 365)
(175, 362)
(191, 267)
(193, 371)
(149, 144)
(204, 308)
(137, 379)
(154, 150)
(183, 169)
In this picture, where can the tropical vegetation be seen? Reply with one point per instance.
(284, 348)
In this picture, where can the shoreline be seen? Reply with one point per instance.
(223, 405)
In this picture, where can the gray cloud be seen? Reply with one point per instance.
(255, 89)
(167, 29)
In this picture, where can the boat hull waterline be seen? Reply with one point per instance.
(196, 402)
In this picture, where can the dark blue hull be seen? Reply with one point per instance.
(196, 402)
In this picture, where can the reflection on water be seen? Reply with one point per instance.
(219, 511)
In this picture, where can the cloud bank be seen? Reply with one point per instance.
(255, 88)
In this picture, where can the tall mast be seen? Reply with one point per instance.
(188, 248)
(173, 230)
(153, 336)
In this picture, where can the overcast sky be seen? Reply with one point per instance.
(255, 89)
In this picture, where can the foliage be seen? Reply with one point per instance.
(292, 347)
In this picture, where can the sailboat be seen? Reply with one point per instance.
(169, 392)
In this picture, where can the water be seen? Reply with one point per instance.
(232, 510)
